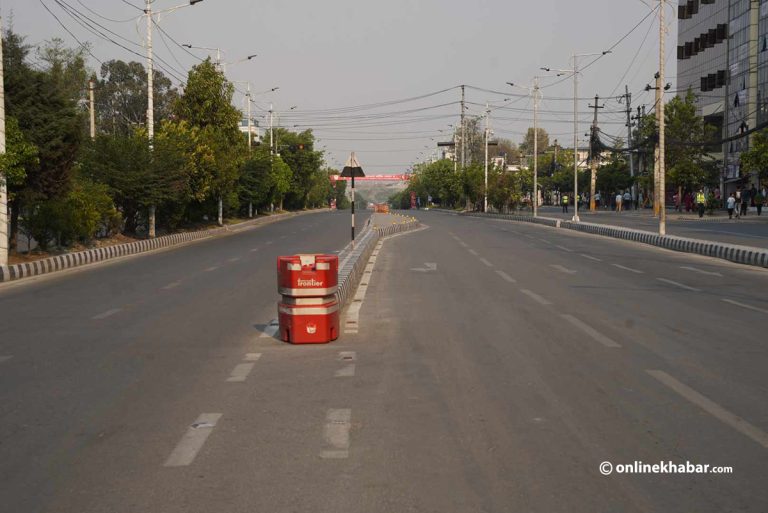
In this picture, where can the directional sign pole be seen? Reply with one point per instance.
(352, 169)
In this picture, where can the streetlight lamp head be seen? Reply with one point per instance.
(545, 69)
(606, 52)
(193, 2)
(250, 56)
(511, 84)
(187, 45)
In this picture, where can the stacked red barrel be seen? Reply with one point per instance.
(309, 311)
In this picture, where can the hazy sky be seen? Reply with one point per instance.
(329, 55)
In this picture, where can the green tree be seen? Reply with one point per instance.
(527, 145)
(121, 97)
(755, 159)
(685, 149)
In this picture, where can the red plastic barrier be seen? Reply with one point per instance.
(308, 320)
(307, 275)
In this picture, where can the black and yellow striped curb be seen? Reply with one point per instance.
(90, 256)
(747, 255)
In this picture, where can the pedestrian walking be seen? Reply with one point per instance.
(701, 202)
(745, 201)
(626, 201)
(688, 200)
(618, 201)
(759, 200)
(738, 202)
(565, 203)
(597, 200)
(730, 204)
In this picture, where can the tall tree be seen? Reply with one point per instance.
(121, 97)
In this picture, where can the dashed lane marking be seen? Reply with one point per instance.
(472, 251)
(700, 271)
(589, 330)
(625, 268)
(5, 358)
(193, 440)
(108, 313)
(240, 372)
(507, 277)
(677, 284)
(714, 409)
(212, 268)
(463, 244)
(535, 297)
(569, 250)
(486, 262)
(590, 257)
(545, 241)
(254, 250)
(744, 305)
(172, 285)
(252, 357)
(348, 371)
(336, 434)
(562, 269)
(233, 259)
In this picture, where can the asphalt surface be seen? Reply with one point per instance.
(494, 367)
(750, 230)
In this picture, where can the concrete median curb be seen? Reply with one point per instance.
(746, 255)
(91, 256)
(352, 262)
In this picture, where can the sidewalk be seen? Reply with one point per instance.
(751, 230)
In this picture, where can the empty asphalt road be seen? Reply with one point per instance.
(495, 367)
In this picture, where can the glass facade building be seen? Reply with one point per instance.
(722, 55)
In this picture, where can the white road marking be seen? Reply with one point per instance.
(625, 268)
(254, 250)
(743, 305)
(268, 242)
(283, 236)
(562, 269)
(676, 284)
(507, 277)
(234, 259)
(589, 330)
(463, 244)
(240, 372)
(347, 371)
(428, 266)
(700, 271)
(252, 357)
(565, 249)
(108, 313)
(529, 236)
(712, 408)
(270, 330)
(5, 358)
(591, 257)
(212, 268)
(172, 285)
(486, 262)
(193, 440)
(336, 433)
(535, 297)
(473, 252)
(545, 241)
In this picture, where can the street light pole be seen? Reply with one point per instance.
(662, 171)
(4, 232)
(535, 146)
(487, 130)
(151, 94)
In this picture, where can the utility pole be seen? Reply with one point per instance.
(487, 131)
(662, 170)
(656, 162)
(462, 128)
(628, 98)
(92, 109)
(576, 139)
(594, 156)
(4, 232)
(150, 106)
(271, 136)
(535, 146)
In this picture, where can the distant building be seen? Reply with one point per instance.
(255, 133)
